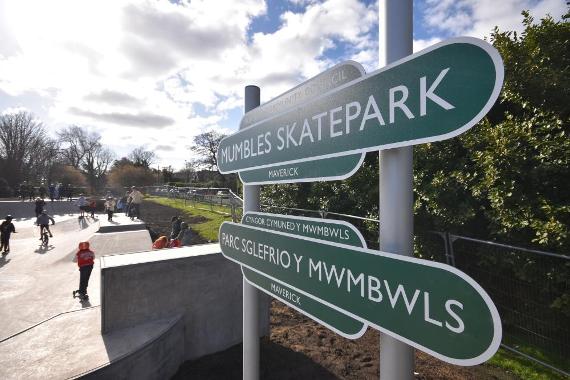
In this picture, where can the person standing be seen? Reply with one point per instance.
(125, 201)
(31, 192)
(92, 206)
(69, 192)
(63, 191)
(6, 229)
(22, 191)
(42, 191)
(82, 204)
(51, 190)
(56, 192)
(85, 259)
(136, 198)
(110, 208)
(40, 203)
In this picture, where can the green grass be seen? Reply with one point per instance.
(522, 367)
(209, 229)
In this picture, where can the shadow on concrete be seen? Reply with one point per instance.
(276, 362)
(4, 260)
(82, 223)
(84, 303)
(42, 249)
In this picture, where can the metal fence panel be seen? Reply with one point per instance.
(530, 289)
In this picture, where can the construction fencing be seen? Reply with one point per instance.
(529, 287)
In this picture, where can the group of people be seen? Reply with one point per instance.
(129, 204)
(180, 235)
(55, 192)
(7, 228)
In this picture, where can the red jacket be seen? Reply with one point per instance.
(85, 257)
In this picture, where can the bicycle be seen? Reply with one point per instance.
(45, 238)
(44, 235)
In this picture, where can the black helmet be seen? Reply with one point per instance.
(9, 217)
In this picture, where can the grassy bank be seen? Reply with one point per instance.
(524, 368)
(214, 216)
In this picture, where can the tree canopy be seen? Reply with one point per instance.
(25, 148)
(508, 177)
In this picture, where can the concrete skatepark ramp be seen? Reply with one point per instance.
(153, 310)
(70, 345)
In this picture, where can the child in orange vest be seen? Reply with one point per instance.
(85, 260)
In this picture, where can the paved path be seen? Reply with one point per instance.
(36, 282)
(36, 300)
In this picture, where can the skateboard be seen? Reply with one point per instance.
(75, 293)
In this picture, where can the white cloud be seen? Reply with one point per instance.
(157, 73)
(422, 44)
(112, 66)
(477, 18)
(297, 50)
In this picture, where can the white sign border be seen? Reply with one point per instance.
(483, 357)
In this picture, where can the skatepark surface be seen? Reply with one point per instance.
(45, 332)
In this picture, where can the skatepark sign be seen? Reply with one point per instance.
(428, 305)
(322, 229)
(330, 169)
(432, 95)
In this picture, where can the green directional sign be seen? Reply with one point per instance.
(332, 169)
(328, 230)
(328, 169)
(428, 305)
(336, 76)
(432, 95)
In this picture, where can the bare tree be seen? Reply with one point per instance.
(191, 167)
(141, 157)
(206, 145)
(83, 150)
(74, 140)
(23, 140)
(96, 162)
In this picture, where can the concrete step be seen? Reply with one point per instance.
(71, 345)
(120, 223)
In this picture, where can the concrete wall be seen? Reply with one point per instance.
(196, 282)
(158, 359)
(19, 209)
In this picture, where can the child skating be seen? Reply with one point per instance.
(85, 259)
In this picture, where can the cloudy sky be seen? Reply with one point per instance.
(158, 72)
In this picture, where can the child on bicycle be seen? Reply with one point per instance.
(43, 221)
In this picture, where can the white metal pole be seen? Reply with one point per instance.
(250, 293)
(396, 198)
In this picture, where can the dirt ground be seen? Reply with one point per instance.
(299, 348)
